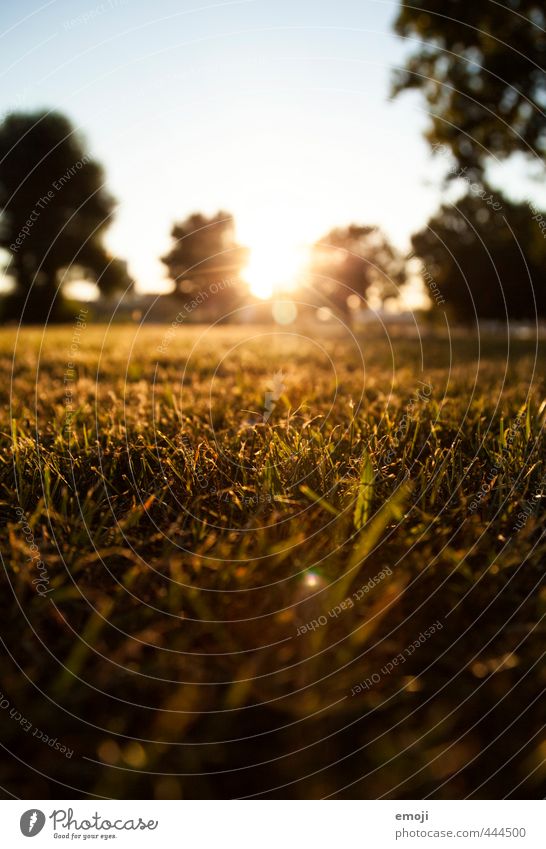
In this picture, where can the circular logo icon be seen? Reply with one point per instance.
(32, 822)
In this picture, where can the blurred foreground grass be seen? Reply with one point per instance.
(229, 531)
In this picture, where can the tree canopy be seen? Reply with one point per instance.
(206, 258)
(480, 68)
(54, 212)
(348, 261)
(483, 261)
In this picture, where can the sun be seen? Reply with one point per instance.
(273, 267)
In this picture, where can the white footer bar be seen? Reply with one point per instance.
(275, 824)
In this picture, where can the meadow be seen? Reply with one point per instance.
(258, 562)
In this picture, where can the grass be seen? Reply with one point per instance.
(237, 535)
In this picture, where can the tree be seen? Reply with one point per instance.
(351, 261)
(205, 261)
(54, 211)
(485, 261)
(480, 69)
(113, 278)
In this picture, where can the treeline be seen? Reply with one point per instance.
(483, 256)
(54, 212)
(479, 70)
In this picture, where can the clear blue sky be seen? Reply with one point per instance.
(275, 110)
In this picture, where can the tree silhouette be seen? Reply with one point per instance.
(205, 261)
(349, 261)
(485, 262)
(54, 211)
(479, 67)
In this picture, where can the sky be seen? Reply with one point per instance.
(277, 111)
